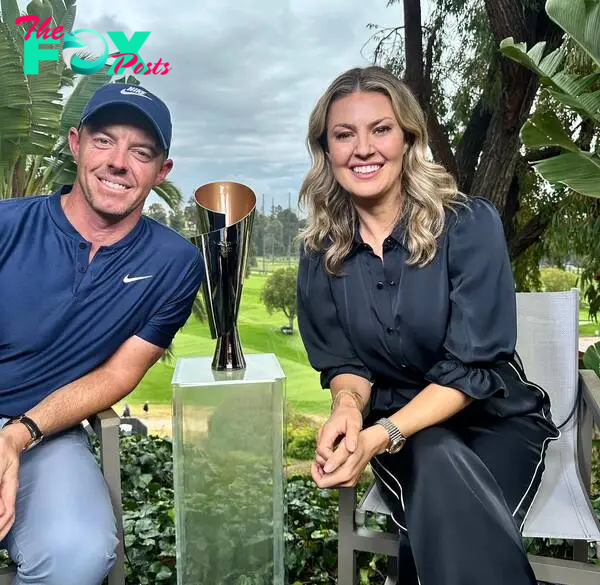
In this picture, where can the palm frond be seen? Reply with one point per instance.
(581, 20)
(46, 109)
(198, 308)
(58, 12)
(15, 101)
(169, 193)
(9, 10)
(86, 86)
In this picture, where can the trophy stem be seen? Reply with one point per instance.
(228, 353)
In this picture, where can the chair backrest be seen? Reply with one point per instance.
(548, 343)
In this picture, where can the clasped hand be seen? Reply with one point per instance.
(341, 465)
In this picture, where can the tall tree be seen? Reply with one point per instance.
(279, 293)
(475, 100)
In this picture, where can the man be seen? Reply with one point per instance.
(92, 294)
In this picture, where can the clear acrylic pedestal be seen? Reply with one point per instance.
(229, 472)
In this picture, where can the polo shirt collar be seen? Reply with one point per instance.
(59, 217)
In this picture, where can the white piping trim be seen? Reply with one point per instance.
(542, 453)
(400, 497)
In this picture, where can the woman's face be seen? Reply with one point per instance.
(366, 145)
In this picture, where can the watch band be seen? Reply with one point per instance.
(396, 437)
(34, 430)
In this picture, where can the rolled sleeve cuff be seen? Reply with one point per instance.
(156, 336)
(330, 373)
(476, 382)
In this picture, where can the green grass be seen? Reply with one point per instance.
(259, 333)
(587, 328)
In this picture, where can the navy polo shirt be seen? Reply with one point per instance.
(61, 316)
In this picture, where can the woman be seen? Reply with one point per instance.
(406, 303)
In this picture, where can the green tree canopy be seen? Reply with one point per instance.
(279, 293)
(158, 212)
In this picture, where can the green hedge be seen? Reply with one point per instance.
(147, 477)
(311, 537)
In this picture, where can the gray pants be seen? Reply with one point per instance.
(64, 532)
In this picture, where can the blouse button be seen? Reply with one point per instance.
(380, 285)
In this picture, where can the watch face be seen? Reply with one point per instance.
(33, 443)
(396, 446)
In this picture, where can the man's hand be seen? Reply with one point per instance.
(12, 441)
(346, 467)
(345, 421)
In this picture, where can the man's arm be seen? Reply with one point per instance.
(68, 406)
(92, 393)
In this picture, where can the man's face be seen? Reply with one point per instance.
(119, 160)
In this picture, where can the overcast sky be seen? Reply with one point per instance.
(245, 76)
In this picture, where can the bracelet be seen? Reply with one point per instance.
(355, 396)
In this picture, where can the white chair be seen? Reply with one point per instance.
(547, 343)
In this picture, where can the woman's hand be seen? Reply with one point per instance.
(346, 467)
(346, 422)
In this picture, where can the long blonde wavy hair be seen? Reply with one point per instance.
(427, 188)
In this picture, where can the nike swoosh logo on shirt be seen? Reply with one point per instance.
(128, 279)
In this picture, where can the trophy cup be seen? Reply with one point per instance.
(226, 212)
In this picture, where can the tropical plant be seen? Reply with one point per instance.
(567, 163)
(34, 115)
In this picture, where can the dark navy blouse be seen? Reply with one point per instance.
(450, 322)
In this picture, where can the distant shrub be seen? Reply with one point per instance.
(555, 279)
(301, 437)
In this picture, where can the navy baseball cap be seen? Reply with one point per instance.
(113, 94)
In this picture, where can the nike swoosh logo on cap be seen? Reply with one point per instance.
(135, 91)
(127, 279)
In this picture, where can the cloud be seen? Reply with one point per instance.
(244, 78)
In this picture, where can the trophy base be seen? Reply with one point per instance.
(228, 353)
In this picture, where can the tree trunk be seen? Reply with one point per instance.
(487, 156)
(532, 231)
(525, 20)
(291, 319)
(414, 77)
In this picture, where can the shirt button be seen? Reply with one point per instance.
(380, 285)
(390, 330)
(82, 246)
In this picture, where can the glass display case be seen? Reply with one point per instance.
(228, 460)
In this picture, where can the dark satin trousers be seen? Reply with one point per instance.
(460, 492)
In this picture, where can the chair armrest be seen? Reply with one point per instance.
(106, 426)
(590, 392)
(104, 420)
